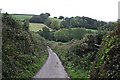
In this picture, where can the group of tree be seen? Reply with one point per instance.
(64, 35)
(85, 22)
(42, 18)
(53, 23)
(72, 22)
(46, 33)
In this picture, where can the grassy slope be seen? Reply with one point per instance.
(37, 26)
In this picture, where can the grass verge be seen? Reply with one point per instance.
(74, 72)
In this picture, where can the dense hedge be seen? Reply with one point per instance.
(107, 63)
(23, 52)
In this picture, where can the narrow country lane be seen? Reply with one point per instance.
(52, 68)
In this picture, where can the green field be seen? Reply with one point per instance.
(92, 30)
(33, 26)
(86, 29)
(21, 17)
(37, 26)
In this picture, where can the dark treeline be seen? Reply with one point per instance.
(85, 22)
(71, 22)
(42, 18)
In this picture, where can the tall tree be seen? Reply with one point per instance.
(26, 24)
(61, 17)
(45, 33)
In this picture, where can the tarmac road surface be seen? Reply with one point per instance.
(52, 68)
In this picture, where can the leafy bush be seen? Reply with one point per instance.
(65, 35)
(23, 52)
(107, 63)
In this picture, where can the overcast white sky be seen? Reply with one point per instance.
(106, 10)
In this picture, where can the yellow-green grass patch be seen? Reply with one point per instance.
(37, 26)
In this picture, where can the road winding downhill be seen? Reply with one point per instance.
(53, 67)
